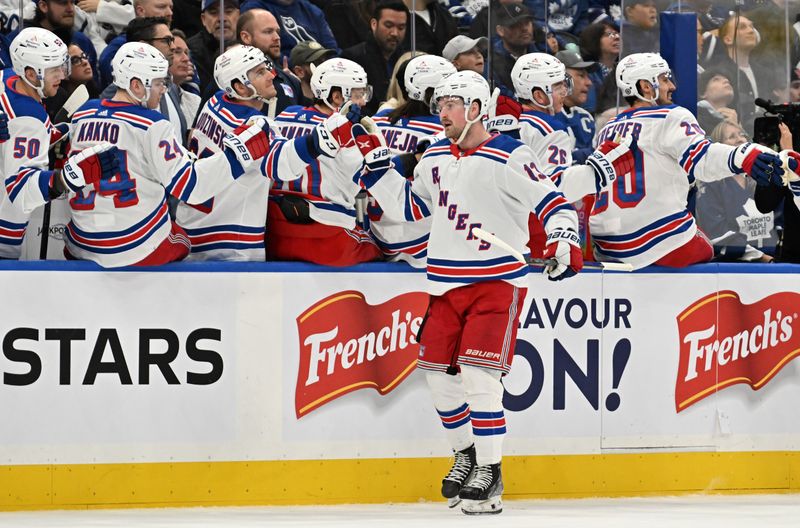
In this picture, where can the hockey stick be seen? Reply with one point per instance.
(492, 239)
(73, 102)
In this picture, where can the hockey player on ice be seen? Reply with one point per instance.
(125, 220)
(231, 225)
(472, 179)
(642, 218)
(40, 62)
(313, 218)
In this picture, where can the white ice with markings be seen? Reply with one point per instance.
(715, 511)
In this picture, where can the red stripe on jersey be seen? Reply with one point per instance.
(487, 270)
(643, 239)
(121, 241)
(134, 118)
(226, 236)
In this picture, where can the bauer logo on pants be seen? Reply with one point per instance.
(724, 342)
(347, 344)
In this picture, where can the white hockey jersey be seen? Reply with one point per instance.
(548, 138)
(643, 215)
(231, 225)
(125, 219)
(494, 186)
(403, 135)
(330, 185)
(24, 159)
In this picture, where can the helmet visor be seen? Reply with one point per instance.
(263, 69)
(361, 96)
(446, 103)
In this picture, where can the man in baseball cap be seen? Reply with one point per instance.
(204, 45)
(303, 55)
(466, 53)
(514, 26)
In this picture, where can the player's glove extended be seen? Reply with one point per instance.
(504, 116)
(564, 246)
(4, 135)
(610, 159)
(791, 170)
(90, 165)
(249, 142)
(760, 163)
(377, 156)
(335, 132)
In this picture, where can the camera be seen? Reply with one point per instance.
(765, 129)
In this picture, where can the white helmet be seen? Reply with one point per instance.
(470, 86)
(234, 64)
(138, 60)
(538, 70)
(341, 73)
(426, 71)
(41, 50)
(640, 67)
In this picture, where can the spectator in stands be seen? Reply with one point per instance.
(565, 18)
(103, 19)
(142, 9)
(728, 215)
(182, 70)
(303, 56)
(259, 28)
(349, 20)
(186, 16)
(378, 54)
(300, 20)
(80, 74)
(515, 29)
(466, 53)
(580, 123)
(396, 94)
(750, 79)
(58, 16)
(602, 43)
(640, 27)
(716, 98)
(204, 45)
(435, 26)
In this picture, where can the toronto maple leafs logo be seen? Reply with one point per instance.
(562, 14)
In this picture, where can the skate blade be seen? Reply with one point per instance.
(452, 502)
(491, 506)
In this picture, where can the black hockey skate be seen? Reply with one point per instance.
(460, 472)
(481, 494)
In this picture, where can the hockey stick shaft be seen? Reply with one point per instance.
(492, 239)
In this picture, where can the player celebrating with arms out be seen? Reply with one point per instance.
(231, 226)
(126, 222)
(642, 218)
(472, 179)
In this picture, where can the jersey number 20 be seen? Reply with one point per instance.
(628, 189)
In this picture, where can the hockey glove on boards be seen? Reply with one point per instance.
(504, 116)
(611, 159)
(564, 246)
(89, 166)
(249, 142)
(4, 136)
(377, 156)
(335, 132)
(760, 163)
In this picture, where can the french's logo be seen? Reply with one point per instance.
(724, 342)
(347, 344)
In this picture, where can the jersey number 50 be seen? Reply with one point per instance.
(628, 189)
(121, 187)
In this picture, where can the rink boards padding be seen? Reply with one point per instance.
(283, 383)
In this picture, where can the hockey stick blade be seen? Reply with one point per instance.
(73, 102)
(492, 239)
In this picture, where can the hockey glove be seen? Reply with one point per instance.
(249, 142)
(760, 163)
(504, 116)
(4, 135)
(335, 132)
(611, 159)
(377, 156)
(60, 131)
(89, 166)
(563, 246)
